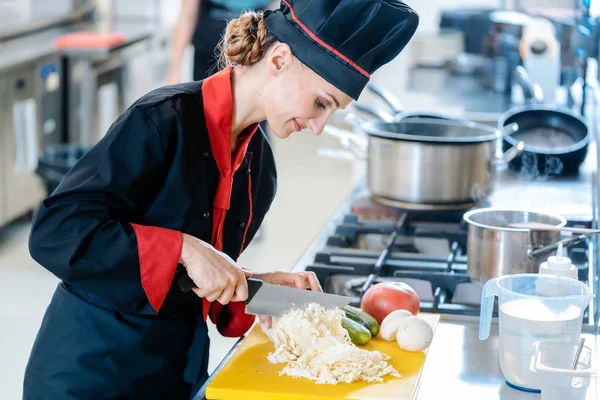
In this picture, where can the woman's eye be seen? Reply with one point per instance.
(319, 103)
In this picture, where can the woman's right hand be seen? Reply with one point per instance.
(216, 275)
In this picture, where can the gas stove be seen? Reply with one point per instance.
(426, 250)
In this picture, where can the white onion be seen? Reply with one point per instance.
(391, 323)
(414, 334)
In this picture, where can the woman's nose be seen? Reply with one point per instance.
(316, 125)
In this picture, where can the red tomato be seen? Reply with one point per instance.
(383, 298)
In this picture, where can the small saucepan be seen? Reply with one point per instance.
(555, 139)
(497, 246)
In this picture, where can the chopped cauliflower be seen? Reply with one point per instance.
(314, 345)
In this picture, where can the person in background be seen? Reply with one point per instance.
(176, 190)
(202, 23)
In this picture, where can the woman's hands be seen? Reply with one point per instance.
(219, 278)
(300, 280)
(216, 275)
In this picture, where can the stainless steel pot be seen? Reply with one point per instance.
(430, 162)
(494, 249)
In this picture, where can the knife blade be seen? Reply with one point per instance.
(275, 300)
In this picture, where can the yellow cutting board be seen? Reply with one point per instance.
(248, 375)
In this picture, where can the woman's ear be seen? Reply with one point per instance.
(279, 57)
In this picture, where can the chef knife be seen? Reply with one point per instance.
(275, 300)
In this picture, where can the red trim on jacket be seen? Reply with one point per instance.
(322, 43)
(159, 250)
(218, 114)
(251, 205)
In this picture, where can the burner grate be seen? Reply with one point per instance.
(429, 255)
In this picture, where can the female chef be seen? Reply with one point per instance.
(178, 187)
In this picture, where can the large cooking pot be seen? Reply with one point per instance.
(428, 162)
(494, 248)
(555, 139)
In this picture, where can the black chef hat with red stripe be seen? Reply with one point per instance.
(344, 41)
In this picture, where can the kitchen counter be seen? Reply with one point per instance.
(469, 368)
(31, 47)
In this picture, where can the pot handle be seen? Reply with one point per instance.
(354, 120)
(535, 253)
(351, 141)
(488, 295)
(386, 96)
(339, 154)
(387, 117)
(508, 155)
(508, 130)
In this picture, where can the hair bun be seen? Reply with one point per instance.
(246, 39)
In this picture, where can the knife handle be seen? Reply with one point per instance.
(253, 287)
(186, 284)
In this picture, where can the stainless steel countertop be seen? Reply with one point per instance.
(460, 366)
(16, 52)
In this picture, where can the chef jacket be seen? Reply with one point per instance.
(118, 325)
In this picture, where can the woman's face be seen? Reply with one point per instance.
(295, 97)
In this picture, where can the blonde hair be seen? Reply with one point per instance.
(245, 41)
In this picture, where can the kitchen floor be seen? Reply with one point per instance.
(310, 189)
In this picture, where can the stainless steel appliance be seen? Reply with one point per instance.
(31, 118)
(102, 84)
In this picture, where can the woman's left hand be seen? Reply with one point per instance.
(300, 280)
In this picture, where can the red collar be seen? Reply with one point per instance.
(217, 101)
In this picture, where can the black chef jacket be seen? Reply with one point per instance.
(118, 326)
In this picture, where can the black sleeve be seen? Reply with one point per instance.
(83, 232)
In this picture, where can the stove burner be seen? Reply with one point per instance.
(424, 249)
(353, 287)
(424, 207)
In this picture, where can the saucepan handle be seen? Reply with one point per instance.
(374, 112)
(508, 155)
(536, 253)
(509, 129)
(386, 96)
(351, 141)
(354, 120)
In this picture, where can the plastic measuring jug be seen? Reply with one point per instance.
(527, 315)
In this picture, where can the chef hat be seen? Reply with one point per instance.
(344, 41)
